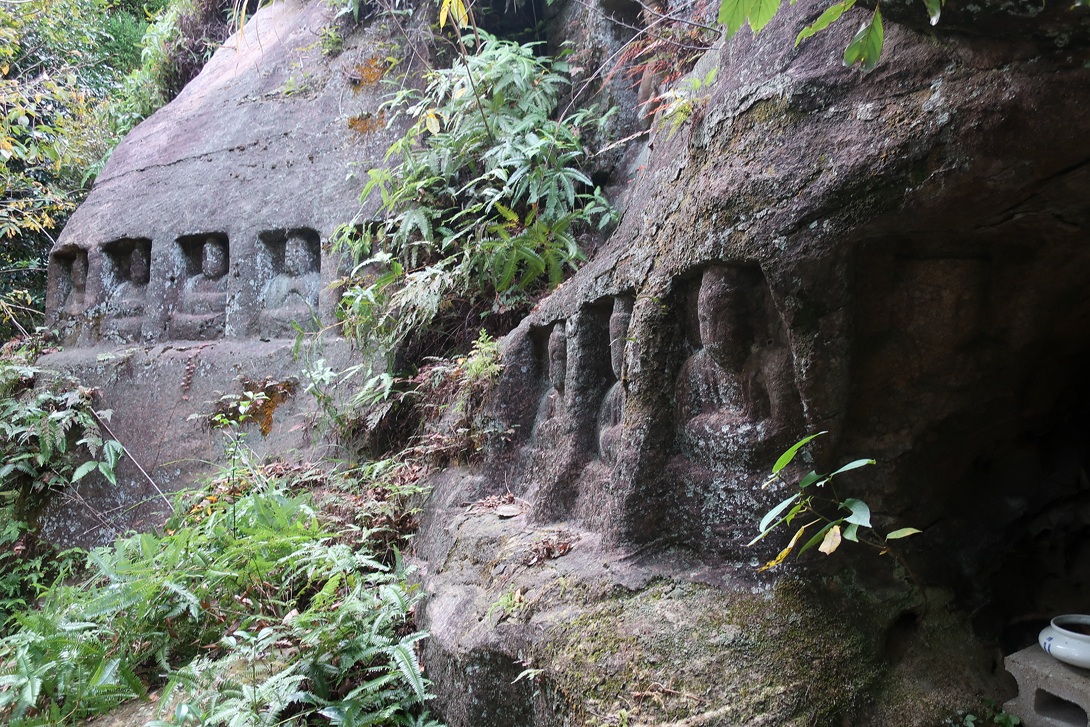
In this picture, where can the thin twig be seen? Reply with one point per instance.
(675, 18)
(469, 72)
(11, 317)
(21, 270)
(126, 451)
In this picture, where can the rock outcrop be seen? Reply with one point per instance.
(894, 258)
(205, 246)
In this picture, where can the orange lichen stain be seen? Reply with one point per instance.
(368, 123)
(276, 393)
(365, 74)
(271, 394)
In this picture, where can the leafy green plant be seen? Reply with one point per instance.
(679, 104)
(483, 363)
(992, 714)
(330, 40)
(511, 602)
(248, 604)
(487, 194)
(865, 47)
(809, 502)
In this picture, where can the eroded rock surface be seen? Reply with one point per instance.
(204, 248)
(212, 219)
(895, 258)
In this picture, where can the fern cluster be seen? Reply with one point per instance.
(50, 437)
(252, 609)
(487, 194)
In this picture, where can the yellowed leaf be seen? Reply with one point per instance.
(432, 122)
(786, 551)
(461, 15)
(443, 13)
(459, 92)
(831, 541)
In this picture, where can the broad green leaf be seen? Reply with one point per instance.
(733, 14)
(830, 16)
(809, 479)
(775, 512)
(761, 13)
(831, 541)
(851, 531)
(107, 472)
(934, 9)
(853, 465)
(83, 470)
(786, 457)
(860, 511)
(866, 47)
(902, 533)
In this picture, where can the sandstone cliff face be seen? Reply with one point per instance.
(205, 243)
(897, 259)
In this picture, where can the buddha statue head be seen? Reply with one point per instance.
(725, 308)
(214, 258)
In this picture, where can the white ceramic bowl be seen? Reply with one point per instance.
(1064, 644)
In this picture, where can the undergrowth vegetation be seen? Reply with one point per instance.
(255, 605)
(50, 437)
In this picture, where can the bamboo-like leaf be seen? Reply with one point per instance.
(786, 551)
(775, 512)
(902, 533)
(443, 10)
(853, 465)
(851, 531)
(786, 457)
(934, 10)
(461, 15)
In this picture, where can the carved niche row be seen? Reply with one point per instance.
(734, 406)
(194, 288)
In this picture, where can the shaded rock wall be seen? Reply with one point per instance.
(893, 258)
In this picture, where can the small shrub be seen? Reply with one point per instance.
(250, 607)
(486, 199)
